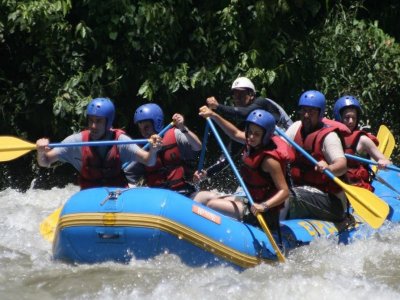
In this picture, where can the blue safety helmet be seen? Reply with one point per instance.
(344, 102)
(152, 112)
(263, 119)
(314, 99)
(102, 107)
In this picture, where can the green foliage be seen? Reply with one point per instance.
(57, 55)
(356, 57)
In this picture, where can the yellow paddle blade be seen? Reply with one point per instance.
(12, 147)
(366, 204)
(386, 141)
(264, 226)
(49, 225)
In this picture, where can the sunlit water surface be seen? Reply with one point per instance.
(366, 269)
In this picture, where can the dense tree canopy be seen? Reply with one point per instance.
(57, 55)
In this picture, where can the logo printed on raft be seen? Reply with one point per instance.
(206, 214)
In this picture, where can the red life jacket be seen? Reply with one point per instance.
(97, 171)
(169, 171)
(302, 170)
(357, 173)
(258, 182)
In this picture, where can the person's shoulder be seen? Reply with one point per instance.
(75, 137)
(180, 137)
(295, 125)
(261, 101)
(332, 136)
(124, 137)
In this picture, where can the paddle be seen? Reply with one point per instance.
(371, 162)
(161, 133)
(386, 141)
(12, 147)
(48, 226)
(367, 205)
(384, 182)
(259, 216)
(203, 149)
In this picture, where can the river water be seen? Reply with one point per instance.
(366, 269)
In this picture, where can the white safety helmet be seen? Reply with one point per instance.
(242, 83)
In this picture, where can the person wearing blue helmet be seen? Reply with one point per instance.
(265, 158)
(173, 167)
(314, 195)
(347, 109)
(98, 166)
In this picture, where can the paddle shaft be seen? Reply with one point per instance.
(97, 143)
(371, 162)
(161, 134)
(303, 152)
(146, 147)
(203, 149)
(280, 256)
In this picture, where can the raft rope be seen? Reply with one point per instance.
(113, 195)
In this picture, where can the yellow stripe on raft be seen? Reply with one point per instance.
(157, 222)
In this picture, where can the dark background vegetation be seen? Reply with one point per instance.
(57, 55)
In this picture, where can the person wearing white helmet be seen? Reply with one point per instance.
(101, 165)
(244, 97)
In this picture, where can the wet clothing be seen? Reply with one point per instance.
(169, 171)
(315, 196)
(260, 184)
(101, 171)
(303, 170)
(176, 156)
(358, 174)
(73, 155)
(309, 202)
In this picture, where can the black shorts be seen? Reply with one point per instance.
(308, 202)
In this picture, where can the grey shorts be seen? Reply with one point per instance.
(309, 202)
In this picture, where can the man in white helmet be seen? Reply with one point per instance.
(244, 97)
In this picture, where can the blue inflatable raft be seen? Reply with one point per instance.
(107, 224)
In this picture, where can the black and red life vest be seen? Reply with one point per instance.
(169, 170)
(97, 171)
(358, 173)
(260, 183)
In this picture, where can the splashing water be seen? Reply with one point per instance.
(365, 269)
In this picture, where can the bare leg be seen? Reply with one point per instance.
(204, 196)
(228, 206)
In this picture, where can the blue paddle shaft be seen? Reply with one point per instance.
(161, 134)
(228, 157)
(97, 143)
(203, 149)
(371, 162)
(302, 151)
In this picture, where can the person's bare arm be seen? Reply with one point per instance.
(231, 130)
(45, 155)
